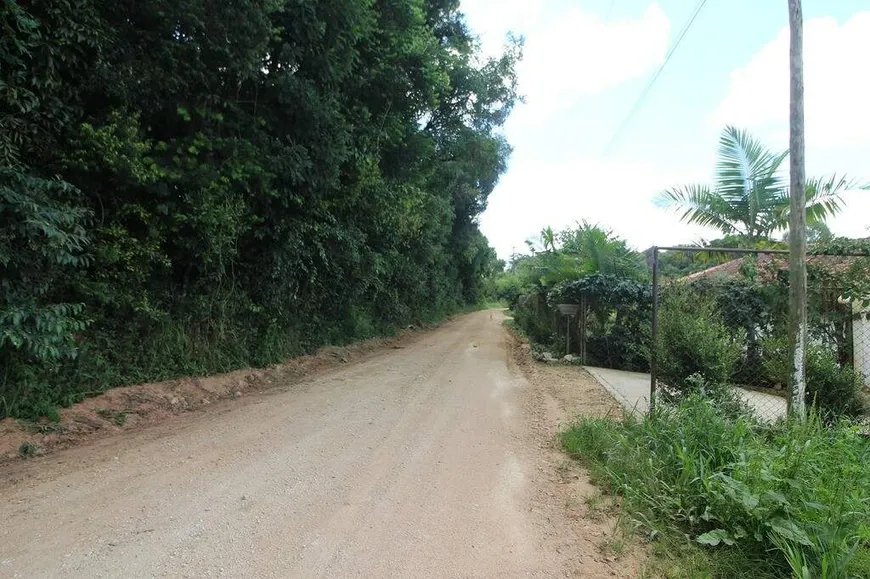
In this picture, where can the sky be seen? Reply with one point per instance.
(585, 65)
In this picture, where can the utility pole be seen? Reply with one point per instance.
(797, 226)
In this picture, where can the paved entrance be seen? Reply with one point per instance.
(631, 390)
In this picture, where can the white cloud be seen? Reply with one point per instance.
(491, 20)
(837, 93)
(853, 221)
(572, 53)
(578, 54)
(614, 194)
(837, 88)
(569, 52)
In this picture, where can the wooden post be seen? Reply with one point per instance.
(568, 333)
(797, 234)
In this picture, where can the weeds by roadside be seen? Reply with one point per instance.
(27, 450)
(42, 427)
(728, 497)
(119, 417)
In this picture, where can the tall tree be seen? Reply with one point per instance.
(573, 253)
(197, 186)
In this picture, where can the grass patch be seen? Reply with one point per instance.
(728, 497)
(677, 557)
(27, 450)
(42, 427)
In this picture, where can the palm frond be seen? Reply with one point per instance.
(825, 196)
(749, 178)
(750, 194)
(700, 205)
(745, 167)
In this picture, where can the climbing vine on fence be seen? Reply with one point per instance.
(618, 318)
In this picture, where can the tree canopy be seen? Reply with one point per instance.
(573, 253)
(194, 186)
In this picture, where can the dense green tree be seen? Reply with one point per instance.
(571, 254)
(191, 187)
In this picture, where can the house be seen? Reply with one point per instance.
(769, 266)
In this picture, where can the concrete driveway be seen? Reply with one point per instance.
(631, 390)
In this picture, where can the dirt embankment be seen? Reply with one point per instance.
(128, 407)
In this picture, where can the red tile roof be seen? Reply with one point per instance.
(771, 262)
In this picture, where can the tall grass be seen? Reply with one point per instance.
(791, 500)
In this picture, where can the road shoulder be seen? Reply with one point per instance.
(584, 523)
(130, 408)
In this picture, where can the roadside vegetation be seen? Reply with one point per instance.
(732, 497)
(715, 488)
(190, 188)
(582, 260)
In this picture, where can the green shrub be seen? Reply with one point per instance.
(834, 389)
(723, 396)
(509, 288)
(535, 318)
(693, 340)
(787, 496)
(618, 318)
(27, 450)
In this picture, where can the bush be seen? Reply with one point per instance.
(694, 341)
(509, 288)
(618, 320)
(535, 318)
(834, 389)
(791, 498)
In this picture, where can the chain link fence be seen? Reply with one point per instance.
(723, 331)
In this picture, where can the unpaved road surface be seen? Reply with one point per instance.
(416, 462)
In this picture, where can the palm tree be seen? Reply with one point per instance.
(585, 250)
(546, 241)
(749, 196)
(600, 251)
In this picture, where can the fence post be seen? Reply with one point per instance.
(655, 329)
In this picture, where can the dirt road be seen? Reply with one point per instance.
(417, 462)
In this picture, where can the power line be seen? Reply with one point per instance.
(655, 77)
